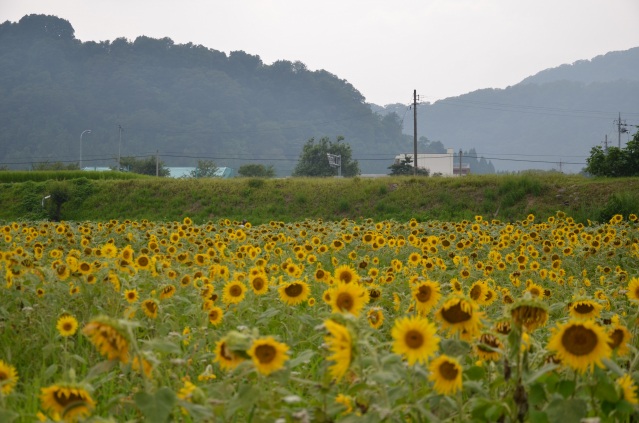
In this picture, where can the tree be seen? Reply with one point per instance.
(314, 161)
(614, 161)
(147, 166)
(404, 167)
(204, 169)
(256, 171)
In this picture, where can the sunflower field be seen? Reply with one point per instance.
(320, 321)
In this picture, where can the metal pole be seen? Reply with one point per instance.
(119, 146)
(414, 132)
(83, 132)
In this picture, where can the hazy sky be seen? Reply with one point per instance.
(384, 48)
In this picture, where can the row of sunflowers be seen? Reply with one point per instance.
(319, 321)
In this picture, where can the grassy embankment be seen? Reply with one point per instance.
(101, 196)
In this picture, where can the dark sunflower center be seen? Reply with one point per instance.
(616, 338)
(143, 261)
(584, 308)
(414, 339)
(448, 370)
(374, 318)
(344, 301)
(64, 400)
(67, 326)
(235, 291)
(265, 353)
(423, 294)
(3, 376)
(475, 292)
(579, 340)
(151, 306)
(375, 293)
(294, 290)
(258, 283)
(455, 314)
(213, 315)
(346, 277)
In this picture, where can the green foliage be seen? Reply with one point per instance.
(614, 161)
(256, 171)
(623, 203)
(60, 193)
(313, 160)
(149, 166)
(204, 169)
(183, 100)
(55, 166)
(404, 167)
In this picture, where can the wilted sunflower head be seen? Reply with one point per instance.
(529, 313)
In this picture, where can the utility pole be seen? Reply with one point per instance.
(606, 143)
(414, 132)
(157, 162)
(620, 130)
(119, 146)
(460, 162)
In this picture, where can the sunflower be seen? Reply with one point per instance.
(415, 338)
(167, 291)
(346, 274)
(585, 309)
(580, 344)
(460, 315)
(8, 378)
(426, 295)
(446, 372)
(234, 292)
(226, 357)
(70, 402)
(529, 313)
(339, 341)
(259, 283)
(295, 292)
(488, 346)
(215, 315)
(150, 308)
(348, 298)
(478, 291)
(131, 295)
(67, 325)
(633, 289)
(268, 355)
(628, 389)
(375, 317)
(107, 336)
(619, 337)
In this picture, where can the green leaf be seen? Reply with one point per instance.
(302, 358)
(566, 388)
(536, 394)
(605, 390)
(540, 372)
(7, 416)
(454, 347)
(475, 373)
(567, 411)
(157, 407)
(162, 345)
(50, 371)
(535, 416)
(613, 366)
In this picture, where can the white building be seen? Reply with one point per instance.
(437, 164)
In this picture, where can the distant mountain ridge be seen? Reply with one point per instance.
(549, 120)
(609, 67)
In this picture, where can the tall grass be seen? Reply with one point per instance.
(502, 197)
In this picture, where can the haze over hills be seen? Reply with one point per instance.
(188, 102)
(550, 120)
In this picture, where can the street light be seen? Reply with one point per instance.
(83, 132)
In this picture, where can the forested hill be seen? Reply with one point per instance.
(185, 102)
(548, 121)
